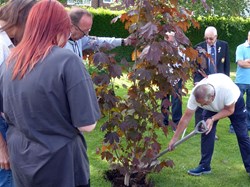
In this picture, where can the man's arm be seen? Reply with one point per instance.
(88, 128)
(202, 65)
(4, 157)
(94, 43)
(244, 63)
(185, 119)
(225, 112)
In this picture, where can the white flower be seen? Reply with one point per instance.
(219, 49)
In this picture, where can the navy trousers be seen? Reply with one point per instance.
(239, 121)
(176, 104)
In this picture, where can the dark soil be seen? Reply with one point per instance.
(136, 180)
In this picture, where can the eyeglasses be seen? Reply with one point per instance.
(86, 32)
(209, 38)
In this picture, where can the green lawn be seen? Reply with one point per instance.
(227, 166)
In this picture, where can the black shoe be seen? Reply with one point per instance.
(199, 170)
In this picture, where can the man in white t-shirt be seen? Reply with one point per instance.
(220, 97)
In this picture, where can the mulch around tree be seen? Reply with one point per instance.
(136, 179)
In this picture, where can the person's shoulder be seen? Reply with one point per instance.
(241, 45)
(4, 38)
(219, 77)
(63, 51)
(63, 55)
(85, 38)
(222, 42)
(4, 52)
(64, 58)
(3, 45)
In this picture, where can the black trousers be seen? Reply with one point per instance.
(87, 185)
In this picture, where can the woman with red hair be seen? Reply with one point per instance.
(48, 99)
(13, 16)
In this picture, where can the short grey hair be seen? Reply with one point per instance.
(204, 91)
(211, 29)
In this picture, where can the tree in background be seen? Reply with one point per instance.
(224, 8)
(2, 1)
(214, 7)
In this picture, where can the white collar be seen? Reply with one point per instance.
(246, 44)
(5, 39)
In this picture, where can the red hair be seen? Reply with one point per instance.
(47, 21)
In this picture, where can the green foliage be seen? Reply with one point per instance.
(63, 1)
(233, 30)
(133, 121)
(131, 139)
(225, 8)
(227, 166)
(102, 25)
(2, 1)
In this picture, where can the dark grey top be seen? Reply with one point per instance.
(44, 109)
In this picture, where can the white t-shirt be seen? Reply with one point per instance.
(4, 52)
(5, 44)
(226, 93)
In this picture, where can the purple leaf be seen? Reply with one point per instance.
(148, 30)
(111, 138)
(152, 53)
(115, 71)
(100, 57)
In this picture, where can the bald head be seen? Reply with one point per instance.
(204, 92)
(77, 13)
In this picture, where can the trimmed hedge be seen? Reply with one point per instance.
(234, 30)
(102, 26)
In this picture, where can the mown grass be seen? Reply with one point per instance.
(227, 166)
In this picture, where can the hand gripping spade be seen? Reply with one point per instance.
(200, 128)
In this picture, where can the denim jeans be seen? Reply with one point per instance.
(245, 89)
(6, 179)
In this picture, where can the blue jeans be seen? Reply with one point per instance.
(245, 89)
(6, 179)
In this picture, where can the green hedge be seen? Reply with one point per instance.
(233, 30)
(102, 26)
